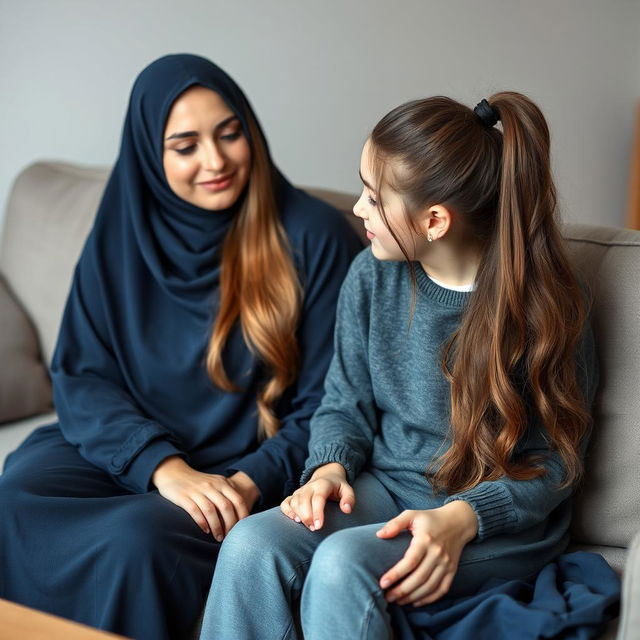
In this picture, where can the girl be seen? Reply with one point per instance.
(190, 359)
(454, 420)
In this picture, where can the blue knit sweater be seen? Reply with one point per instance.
(386, 404)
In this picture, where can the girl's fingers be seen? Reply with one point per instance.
(411, 559)
(396, 525)
(441, 591)
(347, 497)
(298, 504)
(411, 581)
(318, 502)
(420, 584)
(285, 507)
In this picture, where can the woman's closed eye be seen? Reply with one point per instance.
(185, 151)
(231, 136)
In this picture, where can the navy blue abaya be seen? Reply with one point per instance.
(83, 534)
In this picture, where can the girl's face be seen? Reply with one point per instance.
(207, 159)
(383, 244)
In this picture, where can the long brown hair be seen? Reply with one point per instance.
(512, 357)
(260, 288)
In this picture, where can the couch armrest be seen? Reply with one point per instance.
(25, 389)
(630, 614)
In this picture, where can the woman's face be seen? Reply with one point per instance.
(207, 159)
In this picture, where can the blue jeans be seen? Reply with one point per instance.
(276, 579)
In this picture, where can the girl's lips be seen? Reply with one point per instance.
(218, 184)
(370, 235)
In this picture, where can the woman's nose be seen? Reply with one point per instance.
(213, 159)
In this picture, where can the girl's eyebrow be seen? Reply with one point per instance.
(194, 134)
(366, 184)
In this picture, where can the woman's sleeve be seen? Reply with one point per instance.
(276, 465)
(507, 505)
(95, 411)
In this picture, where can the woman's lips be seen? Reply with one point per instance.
(218, 184)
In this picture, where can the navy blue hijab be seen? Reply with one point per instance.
(130, 385)
(178, 241)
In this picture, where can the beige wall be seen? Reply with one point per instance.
(320, 74)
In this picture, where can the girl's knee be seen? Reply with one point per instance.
(344, 556)
(262, 535)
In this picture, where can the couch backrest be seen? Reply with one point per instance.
(50, 212)
(608, 506)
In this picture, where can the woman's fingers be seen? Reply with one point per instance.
(221, 505)
(195, 512)
(239, 504)
(210, 513)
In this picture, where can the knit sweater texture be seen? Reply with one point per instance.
(386, 407)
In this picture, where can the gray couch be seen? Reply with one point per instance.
(49, 214)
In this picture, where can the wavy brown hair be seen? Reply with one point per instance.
(512, 357)
(259, 287)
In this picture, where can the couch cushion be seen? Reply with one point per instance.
(25, 389)
(49, 213)
(607, 508)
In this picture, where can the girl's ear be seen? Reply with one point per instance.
(435, 222)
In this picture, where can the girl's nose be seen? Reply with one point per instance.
(358, 208)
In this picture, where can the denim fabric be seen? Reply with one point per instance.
(267, 558)
(276, 579)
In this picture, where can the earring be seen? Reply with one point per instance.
(429, 237)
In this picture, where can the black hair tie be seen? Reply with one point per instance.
(487, 114)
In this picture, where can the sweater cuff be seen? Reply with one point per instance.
(339, 453)
(138, 473)
(493, 507)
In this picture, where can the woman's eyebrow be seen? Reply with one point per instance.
(194, 134)
(183, 134)
(225, 122)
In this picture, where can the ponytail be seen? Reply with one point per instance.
(512, 359)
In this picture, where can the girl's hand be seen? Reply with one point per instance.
(426, 571)
(306, 504)
(214, 502)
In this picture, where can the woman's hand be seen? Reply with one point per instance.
(214, 502)
(306, 504)
(426, 571)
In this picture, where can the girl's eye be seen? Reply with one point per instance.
(230, 137)
(371, 201)
(185, 151)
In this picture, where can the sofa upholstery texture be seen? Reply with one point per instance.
(50, 212)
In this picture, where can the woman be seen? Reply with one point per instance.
(190, 359)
